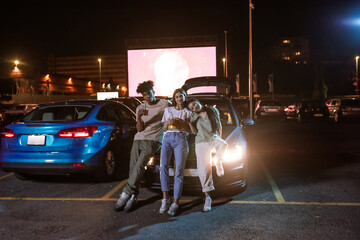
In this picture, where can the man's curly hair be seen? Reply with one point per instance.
(145, 87)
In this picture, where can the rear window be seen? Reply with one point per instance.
(58, 113)
(313, 104)
(351, 102)
(270, 103)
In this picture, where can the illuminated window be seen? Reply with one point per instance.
(297, 53)
(286, 41)
(286, 58)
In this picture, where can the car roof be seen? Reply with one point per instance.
(77, 102)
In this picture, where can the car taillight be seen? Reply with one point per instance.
(78, 164)
(7, 133)
(77, 132)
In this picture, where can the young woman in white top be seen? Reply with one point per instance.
(174, 143)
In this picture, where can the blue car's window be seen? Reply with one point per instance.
(58, 113)
(123, 113)
(106, 113)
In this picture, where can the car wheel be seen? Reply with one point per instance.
(108, 169)
(22, 176)
(299, 118)
(336, 117)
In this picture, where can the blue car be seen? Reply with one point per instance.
(85, 136)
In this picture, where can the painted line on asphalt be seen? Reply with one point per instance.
(297, 203)
(275, 188)
(115, 189)
(5, 176)
(181, 201)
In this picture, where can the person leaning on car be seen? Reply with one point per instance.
(146, 142)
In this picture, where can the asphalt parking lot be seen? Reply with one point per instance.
(303, 184)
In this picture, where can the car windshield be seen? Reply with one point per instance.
(58, 113)
(226, 115)
(351, 102)
(313, 104)
(269, 103)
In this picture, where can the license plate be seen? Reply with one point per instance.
(36, 140)
(318, 115)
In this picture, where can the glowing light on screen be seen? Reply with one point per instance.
(170, 67)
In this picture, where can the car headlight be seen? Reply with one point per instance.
(151, 161)
(233, 154)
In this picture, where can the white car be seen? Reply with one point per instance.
(235, 159)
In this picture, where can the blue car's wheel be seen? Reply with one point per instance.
(109, 168)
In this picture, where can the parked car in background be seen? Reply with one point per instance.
(310, 110)
(343, 108)
(13, 112)
(290, 111)
(70, 137)
(269, 108)
(235, 159)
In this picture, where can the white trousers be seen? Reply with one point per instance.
(204, 166)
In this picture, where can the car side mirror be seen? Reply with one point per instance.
(247, 122)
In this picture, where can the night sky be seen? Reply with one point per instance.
(34, 29)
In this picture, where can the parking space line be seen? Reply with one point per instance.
(297, 203)
(115, 189)
(275, 188)
(183, 201)
(5, 176)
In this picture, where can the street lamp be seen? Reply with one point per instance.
(224, 61)
(99, 60)
(16, 63)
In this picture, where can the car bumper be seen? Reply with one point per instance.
(49, 162)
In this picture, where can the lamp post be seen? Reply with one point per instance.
(224, 66)
(357, 74)
(251, 7)
(99, 60)
(226, 57)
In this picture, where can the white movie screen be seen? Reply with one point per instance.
(170, 67)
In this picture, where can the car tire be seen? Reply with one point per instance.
(109, 168)
(300, 118)
(22, 176)
(336, 117)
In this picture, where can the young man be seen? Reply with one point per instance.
(146, 142)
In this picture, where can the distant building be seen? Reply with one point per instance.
(82, 74)
(292, 49)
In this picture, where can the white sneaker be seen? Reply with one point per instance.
(130, 204)
(173, 209)
(165, 204)
(207, 205)
(120, 204)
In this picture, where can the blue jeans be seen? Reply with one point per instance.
(173, 142)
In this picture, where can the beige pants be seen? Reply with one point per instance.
(203, 156)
